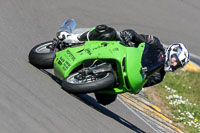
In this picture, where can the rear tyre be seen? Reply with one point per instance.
(42, 56)
(77, 83)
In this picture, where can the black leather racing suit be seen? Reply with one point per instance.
(133, 39)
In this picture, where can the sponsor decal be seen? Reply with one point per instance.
(88, 51)
(70, 55)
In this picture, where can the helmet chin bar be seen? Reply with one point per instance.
(167, 67)
(170, 68)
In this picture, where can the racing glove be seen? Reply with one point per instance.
(126, 36)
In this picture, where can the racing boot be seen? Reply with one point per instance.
(68, 37)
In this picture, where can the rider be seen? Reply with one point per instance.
(175, 56)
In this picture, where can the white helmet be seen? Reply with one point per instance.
(180, 52)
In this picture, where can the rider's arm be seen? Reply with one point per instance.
(153, 41)
(130, 35)
(156, 78)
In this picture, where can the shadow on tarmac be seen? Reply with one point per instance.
(90, 101)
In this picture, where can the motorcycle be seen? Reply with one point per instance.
(105, 68)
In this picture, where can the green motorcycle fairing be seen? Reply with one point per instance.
(127, 59)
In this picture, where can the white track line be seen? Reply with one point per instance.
(136, 114)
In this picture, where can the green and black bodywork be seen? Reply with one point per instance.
(127, 61)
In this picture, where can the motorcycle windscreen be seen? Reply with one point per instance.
(69, 25)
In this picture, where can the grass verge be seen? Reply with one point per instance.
(179, 95)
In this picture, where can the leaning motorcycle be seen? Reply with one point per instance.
(106, 68)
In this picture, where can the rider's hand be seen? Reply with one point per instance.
(62, 35)
(126, 36)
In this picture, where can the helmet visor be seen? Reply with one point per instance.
(175, 62)
(172, 64)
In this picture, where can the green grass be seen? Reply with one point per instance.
(181, 92)
(186, 83)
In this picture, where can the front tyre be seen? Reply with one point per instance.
(77, 83)
(42, 55)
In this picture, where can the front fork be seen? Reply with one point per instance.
(98, 69)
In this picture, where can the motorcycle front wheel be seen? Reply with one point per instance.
(42, 55)
(77, 83)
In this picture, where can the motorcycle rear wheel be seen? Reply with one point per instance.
(42, 56)
(75, 84)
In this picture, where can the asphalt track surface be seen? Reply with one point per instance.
(32, 102)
